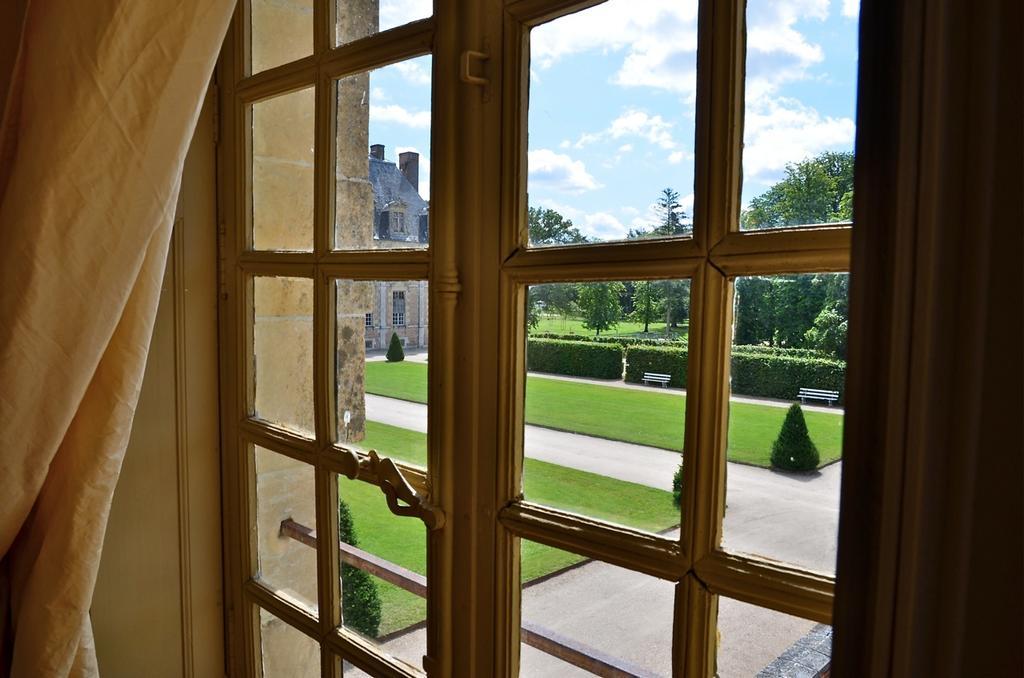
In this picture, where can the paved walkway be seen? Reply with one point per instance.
(629, 615)
(794, 518)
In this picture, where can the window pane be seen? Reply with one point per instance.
(284, 495)
(605, 401)
(280, 31)
(382, 187)
(383, 573)
(283, 351)
(579, 615)
(755, 641)
(361, 18)
(282, 172)
(382, 367)
(611, 123)
(782, 481)
(799, 122)
(286, 652)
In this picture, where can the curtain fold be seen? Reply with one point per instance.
(93, 148)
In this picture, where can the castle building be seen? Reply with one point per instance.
(401, 220)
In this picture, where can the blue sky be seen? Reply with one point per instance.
(612, 100)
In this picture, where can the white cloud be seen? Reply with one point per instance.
(658, 41)
(659, 38)
(550, 170)
(851, 9)
(424, 189)
(397, 12)
(676, 157)
(782, 130)
(625, 148)
(400, 116)
(634, 123)
(414, 72)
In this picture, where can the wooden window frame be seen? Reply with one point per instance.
(478, 267)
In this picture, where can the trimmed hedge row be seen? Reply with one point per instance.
(758, 349)
(622, 341)
(670, 361)
(759, 373)
(775, 376)
(574, 358)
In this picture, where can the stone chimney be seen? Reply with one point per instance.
(409, 163)
(377, 151)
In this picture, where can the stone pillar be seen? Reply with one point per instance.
(285, 488)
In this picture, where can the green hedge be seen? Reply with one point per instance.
(758, 349)
(760, 375)
(622, 341)
(662, 360)
(774, 376)
(574, 358)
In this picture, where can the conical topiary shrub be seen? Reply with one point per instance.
(793, 449)
(677, 485)
(395, 352)
(360, 600)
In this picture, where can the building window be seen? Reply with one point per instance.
(398, 220)
(369, 320)
(398, 309)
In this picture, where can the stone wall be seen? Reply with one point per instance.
(282, 218)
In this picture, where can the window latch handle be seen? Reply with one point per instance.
(469, 56)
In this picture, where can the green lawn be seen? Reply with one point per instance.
(403, 541)
(625, 328)
(644, 417)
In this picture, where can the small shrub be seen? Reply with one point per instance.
(395, 353)
(793, 450)
(677, 485)
(360, 600)
(661, 360)
(574, 358)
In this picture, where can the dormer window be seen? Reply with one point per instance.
(396, 218)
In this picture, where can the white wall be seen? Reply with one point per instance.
(158, 606)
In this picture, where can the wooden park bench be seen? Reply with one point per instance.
(655, 378)
(818, 394)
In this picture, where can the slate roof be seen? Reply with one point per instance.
(389, 185)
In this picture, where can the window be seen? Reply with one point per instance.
(398, 309)
(397, 220)
(626, 298)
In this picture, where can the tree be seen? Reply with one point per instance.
(360, 600)
(670, 214)
(395, 353)
(793, 450)
(548, 227)
(532, 308)
(676, 294)
(648, 303)
(816, 190)
(828, 334)
(559, 298)
(670, 218)
(599, 304)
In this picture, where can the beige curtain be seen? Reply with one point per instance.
(100, 108)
